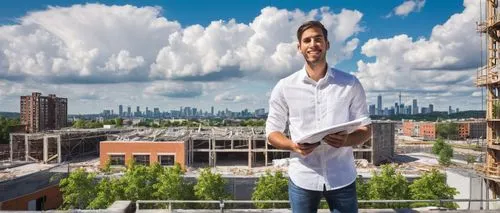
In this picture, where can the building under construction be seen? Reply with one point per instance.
(207, 146)
(488, 76)
(240, 146)
(56, 146)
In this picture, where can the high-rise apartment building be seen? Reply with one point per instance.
(415, 107)
(379, 105)
(39, 113)
(371, 109)
(120, 110)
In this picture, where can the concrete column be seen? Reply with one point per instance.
(210, 157)
(11, 148)
(190, 152)
(232, 144)
(487, 194)
(59, 153)
(250, 152)
(45, 148)
(265, 153)
(214, 154)
(26, 148)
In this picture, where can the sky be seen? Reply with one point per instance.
(230, 54)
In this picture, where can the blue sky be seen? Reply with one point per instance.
(169, 54)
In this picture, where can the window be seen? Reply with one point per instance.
(166, 160)
(141, 159)
(117, 160)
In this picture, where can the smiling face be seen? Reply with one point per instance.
(313, 46)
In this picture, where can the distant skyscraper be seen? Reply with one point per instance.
(396, 108)
(431, 108)
(415, 107)
(456, 110)
(449, 110)
(156, 112)
(379, 104)
(212, 111)
(129, 111)
(371, 109)
(120, 110)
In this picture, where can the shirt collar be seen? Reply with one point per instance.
(330, 73)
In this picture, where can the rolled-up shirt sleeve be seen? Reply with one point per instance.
(278, 111)
(358, 108)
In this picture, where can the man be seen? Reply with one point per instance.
(311, 99)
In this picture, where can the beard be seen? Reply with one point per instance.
(315, 60)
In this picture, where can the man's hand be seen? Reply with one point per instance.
(304, 148)
(336, 140)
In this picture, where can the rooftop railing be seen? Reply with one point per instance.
(229, 204)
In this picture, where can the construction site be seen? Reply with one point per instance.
(488, 77)
(203, 146)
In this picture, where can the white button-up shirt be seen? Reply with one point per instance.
(309, 106)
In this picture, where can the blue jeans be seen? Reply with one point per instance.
(342, 200)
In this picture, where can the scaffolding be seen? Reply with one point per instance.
(488, 77)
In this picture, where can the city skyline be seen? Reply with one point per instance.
(173, 54)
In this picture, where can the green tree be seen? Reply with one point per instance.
(271, 187)
(210, 186)
(107, 167)
(432, 186)
(119, 122)
(139, 181)
(438, 145)
(79, 124)
(108, 191)
(78, 189)
(362, 192)
(445, 155)
(6, 127)
(447, 130)
(470, 159)
(172, 186)
(388, 185)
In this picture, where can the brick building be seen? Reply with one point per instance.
(408, 127)
(428, 130)
(166, 153)
(466, 129)
(39, 113)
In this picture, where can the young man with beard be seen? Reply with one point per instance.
(311, 99)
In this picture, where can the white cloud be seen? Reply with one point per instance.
(409, 6)
(439, 69)
(174, 89)
(444, 62)
(477, 94)
(115, 44)
(234, 98)
(11, 89)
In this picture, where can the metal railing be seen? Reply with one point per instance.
(222, 203)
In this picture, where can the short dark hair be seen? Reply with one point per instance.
(311, 24)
